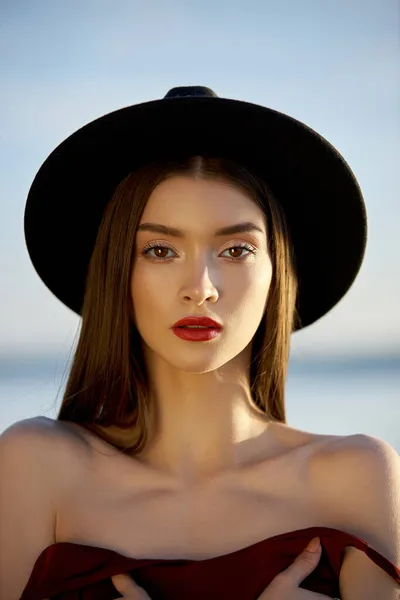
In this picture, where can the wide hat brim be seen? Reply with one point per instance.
(320, 195)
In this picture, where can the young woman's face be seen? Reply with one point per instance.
(197, 274)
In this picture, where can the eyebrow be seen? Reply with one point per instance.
(247, 226)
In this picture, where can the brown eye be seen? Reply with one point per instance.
(157, 248)
(164, 249)
(237, 249)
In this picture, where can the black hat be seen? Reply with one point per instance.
(318, 191)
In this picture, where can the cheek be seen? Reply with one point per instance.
(253, 286)
(255, 299)
(264, 283)
(149, 290)
(144, 302)
(142, 287)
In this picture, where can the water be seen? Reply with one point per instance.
(322, 396)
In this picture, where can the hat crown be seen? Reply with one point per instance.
(191, 91)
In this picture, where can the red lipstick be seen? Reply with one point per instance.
(197, 329)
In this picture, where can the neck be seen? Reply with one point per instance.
(205, 424)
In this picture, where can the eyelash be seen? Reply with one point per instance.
(152, 245)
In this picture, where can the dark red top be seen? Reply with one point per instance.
(71, 571)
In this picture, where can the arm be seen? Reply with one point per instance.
(28, 498)
(365, 489)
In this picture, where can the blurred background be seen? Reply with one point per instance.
(333, 65)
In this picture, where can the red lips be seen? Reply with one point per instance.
(204, 321)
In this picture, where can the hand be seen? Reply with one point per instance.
(128, 588)
(285, 586)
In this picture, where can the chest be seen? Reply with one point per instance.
(126, 511)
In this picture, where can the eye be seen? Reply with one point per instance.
(156, 246)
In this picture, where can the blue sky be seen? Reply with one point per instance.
(333, 64)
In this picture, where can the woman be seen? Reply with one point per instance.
(171, 443)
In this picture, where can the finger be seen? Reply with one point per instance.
(129, 589)
(301, 567)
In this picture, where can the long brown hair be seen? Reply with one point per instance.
(107, 390)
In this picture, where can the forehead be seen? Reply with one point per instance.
(181, 195)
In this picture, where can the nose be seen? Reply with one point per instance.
(200, 288)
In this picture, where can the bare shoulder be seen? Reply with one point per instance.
(30, 442)
(43, 429)
(357, 447)
(331, 458)
(45, 442)
(359, 457)
(37, 426)
(360, 492)
(34, 433)
(34, 473)
(344, 466)
(319, 444)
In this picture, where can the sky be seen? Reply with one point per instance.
(332, 64)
